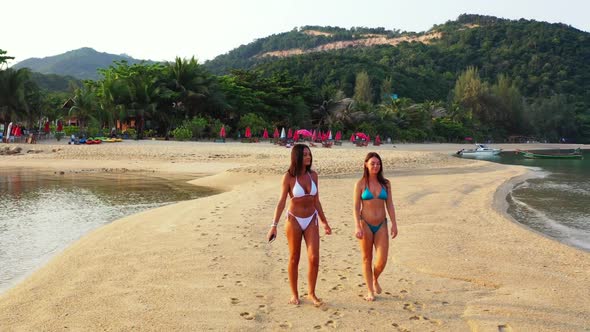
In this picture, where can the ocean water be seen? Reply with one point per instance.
(41, 213)
(556, 202)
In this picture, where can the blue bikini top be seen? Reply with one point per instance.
(367, 195)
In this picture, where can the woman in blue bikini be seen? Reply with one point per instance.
(372, 200)
(301, 184)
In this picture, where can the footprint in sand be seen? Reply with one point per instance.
(286, 325)
(331, 324)
(409, 307)
(263, 308)
(235, 300)
(337, 287)
(317, 327)
(246, 315)
(337, 314)
(504, 328)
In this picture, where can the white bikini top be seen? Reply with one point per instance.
(298, 190)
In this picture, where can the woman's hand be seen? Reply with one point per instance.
(393, 230)
(327, 228)
(272, 234)
(358, 232)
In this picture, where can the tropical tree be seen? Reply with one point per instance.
(85, 105)
(4, 58)
(13, 103)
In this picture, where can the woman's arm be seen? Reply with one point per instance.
(391, 211)
(318, 205)
(356, 210)
(280, 207)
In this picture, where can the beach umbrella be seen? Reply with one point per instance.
(60, 126)
(222, 132)
(304, 132)
(248, 133)
(314, 135)
(265, 134)
(276, 133)
(362, 136)
(329, 134)
(18, 131)
(46, 129)
(290, 133)
(296, 136)
(338, 135)
(283, 135)
(352, 138)
(377, 140)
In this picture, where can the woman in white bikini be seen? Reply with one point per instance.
(301, 184)
(372, 202)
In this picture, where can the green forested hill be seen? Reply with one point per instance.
(542, 58)
(81, 63)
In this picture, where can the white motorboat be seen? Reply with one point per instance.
(480, 150)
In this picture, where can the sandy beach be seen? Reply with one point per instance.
(458, 264)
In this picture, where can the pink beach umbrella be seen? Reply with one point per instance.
(352, 139)
(377, 139)
(362, 136)
(248, 133)
(290, 133)
(222, 132)
(338, 135)
(60, 126)
(304, 132)
(276, 133)
(265, 134)
(314, 135)
(296, 136)
(46, 129)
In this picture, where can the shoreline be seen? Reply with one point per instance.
(457, 264)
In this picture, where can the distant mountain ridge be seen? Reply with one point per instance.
(81, 63)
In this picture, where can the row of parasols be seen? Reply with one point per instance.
(302, 133)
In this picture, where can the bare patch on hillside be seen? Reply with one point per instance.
(371, 40)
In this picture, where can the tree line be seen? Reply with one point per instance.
(507, 79)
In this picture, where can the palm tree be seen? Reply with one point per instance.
(191, 82)
(84, 105)
(13, 103)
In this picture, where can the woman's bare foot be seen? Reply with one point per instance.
(294, 300)
(376, 286)
(370, 297)
(316, 301)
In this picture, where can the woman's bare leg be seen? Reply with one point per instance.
(312, 241)
(381, 242)
(366, 244)
(294, 236)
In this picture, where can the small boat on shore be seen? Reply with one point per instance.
(480, 150)
(577, 154)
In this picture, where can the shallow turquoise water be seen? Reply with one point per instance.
(41, 213)
(557, 201)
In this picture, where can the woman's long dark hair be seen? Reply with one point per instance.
(380, 176)
(297, 159)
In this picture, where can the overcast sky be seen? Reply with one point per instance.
(163, 30)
